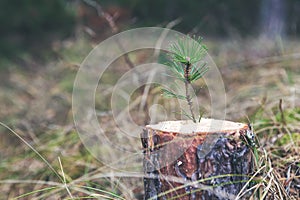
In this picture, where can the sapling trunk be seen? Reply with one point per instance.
(187, 82)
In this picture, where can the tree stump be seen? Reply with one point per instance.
(186, 160)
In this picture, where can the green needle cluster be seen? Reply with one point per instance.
(186, 57)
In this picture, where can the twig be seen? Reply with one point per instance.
(102, 13)
(281, 112)
(155, 54)
(114, 28)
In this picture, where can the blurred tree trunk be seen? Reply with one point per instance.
(273, 15)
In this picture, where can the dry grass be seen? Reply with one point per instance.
(37, 105)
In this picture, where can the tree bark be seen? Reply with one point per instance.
(186, 160)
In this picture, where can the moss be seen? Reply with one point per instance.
(66, 84)
(286, 138)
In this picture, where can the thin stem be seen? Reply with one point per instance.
(187, 94)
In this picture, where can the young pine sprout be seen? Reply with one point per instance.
(185, 58)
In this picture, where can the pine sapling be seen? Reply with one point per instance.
(186, 61)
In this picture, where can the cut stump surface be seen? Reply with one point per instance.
(186, 160)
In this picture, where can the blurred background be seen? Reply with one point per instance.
(33, 26)
(42, 44)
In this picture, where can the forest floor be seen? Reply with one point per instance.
(262, 84)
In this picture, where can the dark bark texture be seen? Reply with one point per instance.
(181, 166)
